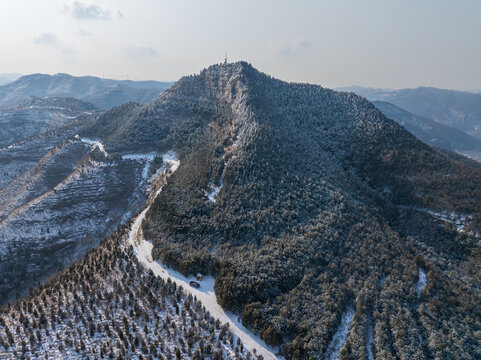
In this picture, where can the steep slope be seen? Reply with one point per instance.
(103, 93)
(60, 195)
(307, 204)
(458, 109)
(431, 132)
(33, 116)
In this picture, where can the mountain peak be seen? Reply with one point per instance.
(220, 81)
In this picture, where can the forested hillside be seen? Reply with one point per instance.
(107, 306)
(60, 194)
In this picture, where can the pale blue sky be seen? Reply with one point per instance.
(379, 43)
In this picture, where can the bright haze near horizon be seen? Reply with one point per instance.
(378, 43)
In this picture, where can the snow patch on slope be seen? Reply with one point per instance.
(340, 337)
(213, 191)
(457, 219)
(421, 282)
(96, 144)
(147, 158)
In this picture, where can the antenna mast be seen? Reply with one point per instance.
(225, 60)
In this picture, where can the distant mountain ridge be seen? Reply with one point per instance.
(103, 93)
(8, 78)
(432, 132)
(367, 92)
(458, 109)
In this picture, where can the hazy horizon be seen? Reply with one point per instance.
(334, 44)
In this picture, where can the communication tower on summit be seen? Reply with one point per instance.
(225, 60)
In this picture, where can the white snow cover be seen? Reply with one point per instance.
(214, 190)
(148, 158)
(144, 157)
(421, 282)
(95, 143)
(205, 294)
(340, 337)
(460, 220)
(453, 218)
(171, 158)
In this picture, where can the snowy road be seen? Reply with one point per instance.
(205, 294)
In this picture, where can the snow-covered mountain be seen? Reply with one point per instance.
(320, 198)
(131, 306)
(32, 116)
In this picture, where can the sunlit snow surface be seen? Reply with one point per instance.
(205, 294)
(214, 191)
(95, 143)
(456, 219)
(147, 158)
(421, 282)
(143, 157)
